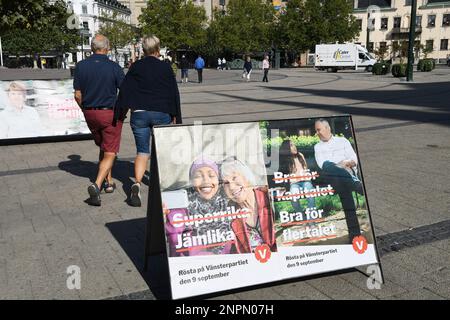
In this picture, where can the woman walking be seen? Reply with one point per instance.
(150, 91)
(247, 69)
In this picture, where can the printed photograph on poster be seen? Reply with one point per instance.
(214, 190)
(316, 187)
(39, 108)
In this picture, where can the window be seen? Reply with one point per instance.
(444, 44)
(429, 45)
(418, 21)
(85, 25)
(383, 45)
(408, 2)
(359, 23)
(84, 9)
(397, 22)
(446, 20)
(384, 23)
(431, 21)
(370, 48)
(362, 4)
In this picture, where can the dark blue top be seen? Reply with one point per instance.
(248, 66)
(98, 79)
(149, 85)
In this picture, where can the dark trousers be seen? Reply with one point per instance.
(266, 72)
(200, 75)
(344, 185)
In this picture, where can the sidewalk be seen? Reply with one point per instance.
(402, 132)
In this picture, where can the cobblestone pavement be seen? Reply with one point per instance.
(402, 131)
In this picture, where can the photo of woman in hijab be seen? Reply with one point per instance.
(205, 196)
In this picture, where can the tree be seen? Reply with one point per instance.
(35, 27)
(381, 53)
(292, 27)
(306, 23)
(177, 23)
(119, 33)
(246, 26)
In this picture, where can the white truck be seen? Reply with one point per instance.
(334, 57)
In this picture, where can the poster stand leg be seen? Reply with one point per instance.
(154, 232)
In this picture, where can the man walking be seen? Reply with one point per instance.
(338, 161)
(199, 65)
(96, 80)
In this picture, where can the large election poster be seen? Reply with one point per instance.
(39, 108)
(257, 202)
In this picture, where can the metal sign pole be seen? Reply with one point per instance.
(1, 52)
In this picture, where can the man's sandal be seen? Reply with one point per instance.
(109, 187)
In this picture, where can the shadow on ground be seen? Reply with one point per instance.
(432, 97)
(123, 170)
(130, 235)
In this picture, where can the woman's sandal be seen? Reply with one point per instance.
(109, 187)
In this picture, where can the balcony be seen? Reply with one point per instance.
(405, 30)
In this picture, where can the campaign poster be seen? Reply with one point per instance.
(322, 220)
(219, 221)
(257, 202)
(39, 108)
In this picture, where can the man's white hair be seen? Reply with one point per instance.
(324, 122)
(99, 43)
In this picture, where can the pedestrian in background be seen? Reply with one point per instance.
(184, 65)
(224, 64)
(266, 67)
(219, 64)
(199, 65)
(151, 92)
(96, 80)
(247, 69)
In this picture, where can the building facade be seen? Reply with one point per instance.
(390, 23)
(135, 7)
(89, 14)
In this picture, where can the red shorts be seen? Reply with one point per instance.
(106, 136)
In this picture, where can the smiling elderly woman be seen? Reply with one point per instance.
(240, 187)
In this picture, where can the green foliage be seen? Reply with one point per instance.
(399, 70)
(425, 65)
(309, 22)
(33, 27)
(381, 68)
(119, 33)
(247, 26)
(177, 23)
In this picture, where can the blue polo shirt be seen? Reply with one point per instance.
(98, 79)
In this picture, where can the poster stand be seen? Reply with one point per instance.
(155, 239)
(154, 232)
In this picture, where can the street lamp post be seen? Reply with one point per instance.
(412, 36)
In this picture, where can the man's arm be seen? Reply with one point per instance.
(319, 157)
(78, 98)
(351, 160)
(77, 87)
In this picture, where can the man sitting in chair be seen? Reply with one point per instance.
(338, 161)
